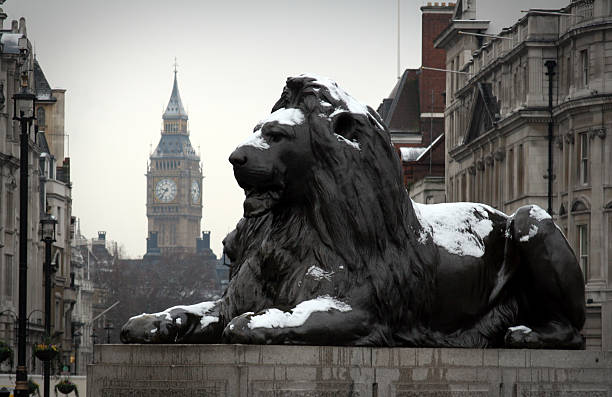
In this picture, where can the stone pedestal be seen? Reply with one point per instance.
(305, 371)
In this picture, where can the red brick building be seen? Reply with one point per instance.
(414, 110)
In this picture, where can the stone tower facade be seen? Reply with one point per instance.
(174, 185)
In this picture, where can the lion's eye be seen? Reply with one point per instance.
(275, 136)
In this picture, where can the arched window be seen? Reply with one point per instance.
(40, 116)
(579, 206)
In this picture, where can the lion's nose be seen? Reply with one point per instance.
(238, 158)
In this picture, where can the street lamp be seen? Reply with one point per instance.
(47, 228)
(94, 339)
(77, 342)
(23, 101)
(108, 327)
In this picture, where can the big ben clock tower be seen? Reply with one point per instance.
(174, 185)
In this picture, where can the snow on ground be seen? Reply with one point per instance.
(460, 228)
(274, 318)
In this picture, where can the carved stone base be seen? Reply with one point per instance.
(305, 371)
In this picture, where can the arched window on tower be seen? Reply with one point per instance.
(40, 116)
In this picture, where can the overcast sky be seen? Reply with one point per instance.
(114, 58)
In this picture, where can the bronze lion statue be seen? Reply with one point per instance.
(332, 251)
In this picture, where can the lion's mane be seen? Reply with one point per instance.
(357, 217)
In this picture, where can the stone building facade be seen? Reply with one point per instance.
(56, 200)
(174, 185)
(536, 94)
(49, 188)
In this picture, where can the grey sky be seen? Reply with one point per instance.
(115, 58)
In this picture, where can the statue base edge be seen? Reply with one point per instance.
(305, 371)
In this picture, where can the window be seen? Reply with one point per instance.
(463, 187)
(510, 174)
(59, 221)
(520, 171)
(487, 184)
(566, 158)
(40, 117)
(583, 154)
(472, 187)
(57, 316)
(496, 183)
(568, 73)
(582, 237)
(584, 61)
(452, 76)
(10, 211)
(451, 128)
(8, 276)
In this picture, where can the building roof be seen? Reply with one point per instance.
(10, 42)
(175, 109)
(174, 146)
(484, 112)
(401, 111)
(41, 85)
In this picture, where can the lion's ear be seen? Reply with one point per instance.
(345, 125)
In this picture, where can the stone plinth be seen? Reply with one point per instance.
(305, 371)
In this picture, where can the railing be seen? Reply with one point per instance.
(579, 11)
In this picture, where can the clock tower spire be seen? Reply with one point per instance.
(174, 181)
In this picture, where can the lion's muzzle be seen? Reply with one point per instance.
(258, 179)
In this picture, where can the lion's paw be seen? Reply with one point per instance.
(151, 328)
(521, 337)
(239, 331)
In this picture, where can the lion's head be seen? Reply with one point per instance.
(323, 186)
(317, 134)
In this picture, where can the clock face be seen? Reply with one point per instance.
(165, 190)
(195, 192)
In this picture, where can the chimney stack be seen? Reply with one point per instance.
(14, 26)
(2, 18)
(22, 27)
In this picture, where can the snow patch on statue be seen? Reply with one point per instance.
(538, 213)
(533, 230)
(459, 228)
(274, 318)
(318, 274)
(282, 116)
(199, 309)
(338, 94)
(354, 145)
(291, 116)
(521, 328)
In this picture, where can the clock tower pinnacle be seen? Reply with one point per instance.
(174, 184)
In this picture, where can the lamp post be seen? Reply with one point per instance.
(77, 342)
(108, 327)
(21, 101)
(47, 227)
(94, 339)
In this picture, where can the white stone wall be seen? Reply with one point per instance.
(516, 70)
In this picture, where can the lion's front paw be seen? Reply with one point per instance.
(239, 331)
(150, 328)
(521, 337)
